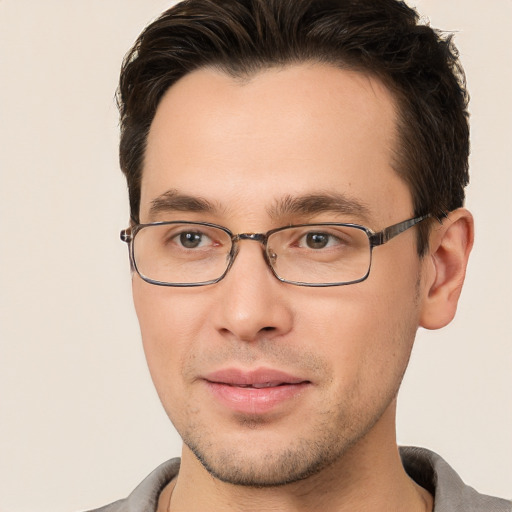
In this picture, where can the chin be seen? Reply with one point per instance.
(269, 458)
(265, 470)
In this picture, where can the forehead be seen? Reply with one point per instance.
(294, 130)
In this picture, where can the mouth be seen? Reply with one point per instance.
(258, 378)
(260, 385)
(255, 392)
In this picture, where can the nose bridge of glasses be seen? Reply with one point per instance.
(256, 237)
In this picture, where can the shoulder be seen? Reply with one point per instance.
(145, 496)
(450, 493)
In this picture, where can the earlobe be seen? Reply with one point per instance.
(445, 268)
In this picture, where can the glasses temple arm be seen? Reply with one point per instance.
(390, 232)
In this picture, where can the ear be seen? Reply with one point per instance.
(445, 268)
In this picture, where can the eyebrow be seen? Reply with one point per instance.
(287, 206)
(323, 202)
(174, 201)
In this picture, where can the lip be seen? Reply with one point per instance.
(254, 391)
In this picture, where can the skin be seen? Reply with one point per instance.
(244, 146)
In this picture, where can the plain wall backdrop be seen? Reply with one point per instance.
(80, 423)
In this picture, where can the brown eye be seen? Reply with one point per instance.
(317, 240)
(190, 240)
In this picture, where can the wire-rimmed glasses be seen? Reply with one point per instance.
(179, 253)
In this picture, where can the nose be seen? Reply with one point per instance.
(252, 303)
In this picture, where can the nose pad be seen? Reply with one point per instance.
(270, 259)
(270, 255)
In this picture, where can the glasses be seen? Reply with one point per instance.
(180, 253)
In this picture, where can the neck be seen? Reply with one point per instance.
(369, 476)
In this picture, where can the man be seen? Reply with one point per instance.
(296, 172)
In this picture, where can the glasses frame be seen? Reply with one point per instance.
(375, 239)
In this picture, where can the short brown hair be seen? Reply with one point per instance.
(381, 37)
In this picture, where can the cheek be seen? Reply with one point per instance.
(366, 331)
(390, 325)
(169, 323)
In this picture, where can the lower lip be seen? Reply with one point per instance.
(255, 400)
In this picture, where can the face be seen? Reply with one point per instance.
(267, 382)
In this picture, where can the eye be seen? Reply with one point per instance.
(192, 239)
(318, 240)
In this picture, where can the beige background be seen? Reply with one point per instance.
(80, 424)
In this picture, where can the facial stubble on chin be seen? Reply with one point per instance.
(292, 464)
